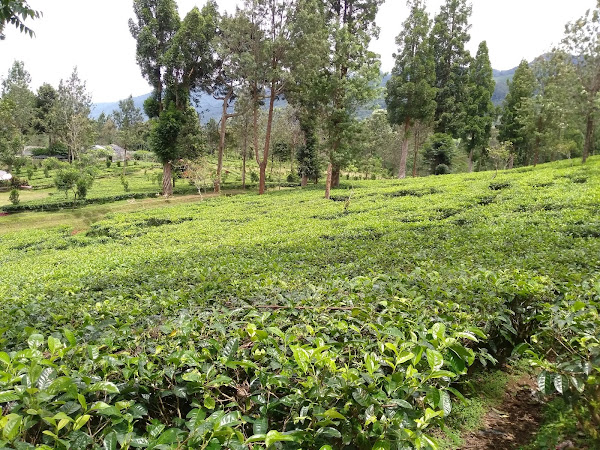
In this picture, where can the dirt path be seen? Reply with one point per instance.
(513, 423)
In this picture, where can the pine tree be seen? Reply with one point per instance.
(479, 108)
(449, 36)
(511, 128)
(410, 93)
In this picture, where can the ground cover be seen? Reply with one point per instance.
(286, 320)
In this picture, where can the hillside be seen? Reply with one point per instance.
(287, 318)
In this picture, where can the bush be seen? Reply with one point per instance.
(293, 178)
(108, 162)
(125, 183)
(14, 196)
(442, 169)
(254, 177)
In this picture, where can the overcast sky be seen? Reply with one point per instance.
(94, 36)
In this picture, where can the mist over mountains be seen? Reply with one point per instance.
(210, 108)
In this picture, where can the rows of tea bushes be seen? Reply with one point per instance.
(290, 321)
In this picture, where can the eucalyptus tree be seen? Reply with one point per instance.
(44, 104)
(411, 93)
(582, 41)
(479, 109)
(233, 49)
(70, 115)
(267, 68)
(350, 77)
(449, 36)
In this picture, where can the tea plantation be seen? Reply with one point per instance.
(290, 321)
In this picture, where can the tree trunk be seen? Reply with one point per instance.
(328, 182)
(124, 162)
(416, 154)
(244, 153)
(335, 176)
(304, 181)
(404, 152)
(263, 165)
(589, 137)
(167, 189)
(471, 160)
(536, 153)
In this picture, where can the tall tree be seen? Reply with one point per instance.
(44, 105)
(16, 12)
(410, 93)
(128, 119)
(305, 91)
(15, 87)
(449, 36)
(70, 115)
(267, 69)
(547, 116)
(233, 48)
(479, 109)
(351, 77)
(511, 128)
(176, 57)
(582, 41)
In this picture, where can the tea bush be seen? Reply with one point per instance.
(290, 321)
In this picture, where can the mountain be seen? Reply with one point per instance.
(209, 108)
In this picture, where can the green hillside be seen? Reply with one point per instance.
(290, 321)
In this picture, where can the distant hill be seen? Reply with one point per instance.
(209, 108)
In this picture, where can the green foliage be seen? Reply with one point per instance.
(69, 178)
(448, 38)
(16, 12)
(186, 326)
(439, 150)
(14, 196)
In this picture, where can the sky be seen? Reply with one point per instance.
(94, 36)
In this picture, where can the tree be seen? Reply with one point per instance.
(305, 90)
(176, 57)
(350, 77)
(410, 93)
(549, 113)
(582, 42)
(266, 69)
(11, 142)
(232, 47)
(439, 151)
(511, 127)
(70, 115)
(128, 119)
(16, 12)
(449, 36)
(15, 87)
(44, 105)
(479, 108)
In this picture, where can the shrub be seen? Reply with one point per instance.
(14, 196)
(254, 177)
(442, 169)
(125, 183)
(144, 155)
(439, 150)
(293, 178)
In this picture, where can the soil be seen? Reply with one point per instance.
(513, 423)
